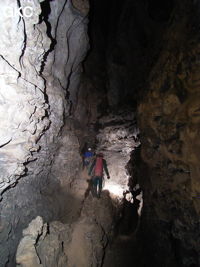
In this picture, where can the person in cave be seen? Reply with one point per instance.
(98, 167)
(87, 158)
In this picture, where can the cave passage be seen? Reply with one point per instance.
(121, 78)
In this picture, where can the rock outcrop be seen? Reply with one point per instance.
(40, 66)
(169, 123)
(117, 139)
(81, 243)
(144, 67)
(43, 245)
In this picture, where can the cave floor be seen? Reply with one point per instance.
(124, 251)
(121, 249)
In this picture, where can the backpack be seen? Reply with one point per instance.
(98, 171)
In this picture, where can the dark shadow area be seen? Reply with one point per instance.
(125, 43)
(160, 11)
(129, 216)
(46, 10)
(89, 188)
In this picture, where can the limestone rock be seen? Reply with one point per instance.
(51, 249)
(40, 68)
(117, 138)
(169, 123)
(42, 247)
(26, 252)
(82, 6)
(81, 243)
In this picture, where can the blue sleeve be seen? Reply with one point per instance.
(88, 154)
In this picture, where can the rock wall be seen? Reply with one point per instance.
(40, 70)
(133, 43)
(150, 56)
(81, 243)
(117, 139)
(169, 123)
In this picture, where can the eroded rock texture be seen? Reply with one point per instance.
(43, 245)
(143, 53)
(81, 243)
(117, 138)
(24, 109)
(149, 55)
(169, 123)
(40, 69)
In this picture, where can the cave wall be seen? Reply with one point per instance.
(40, 76)
(126, 38)
(169, 123)
(41, 68)
(148, 54)
(133, 44)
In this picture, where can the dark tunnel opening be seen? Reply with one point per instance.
(125, 43)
